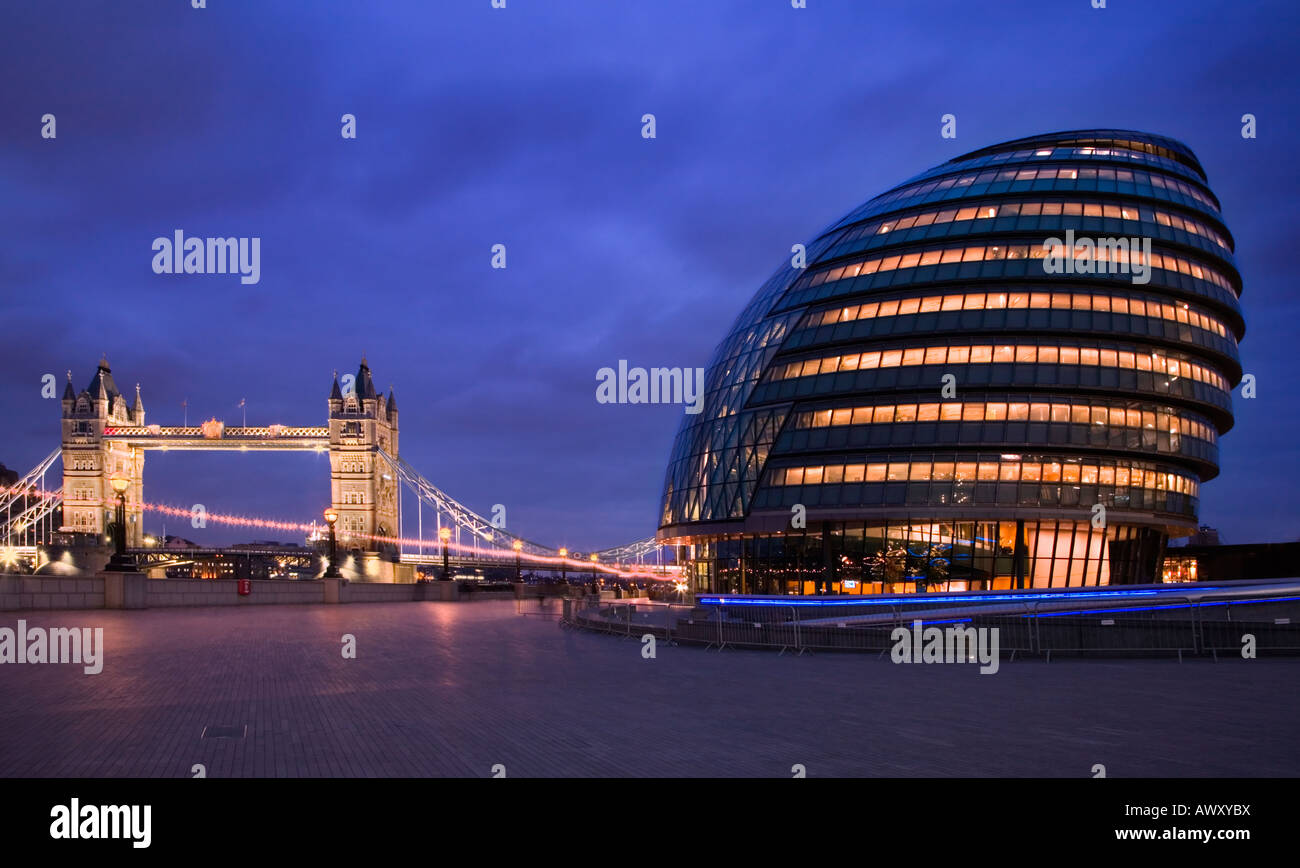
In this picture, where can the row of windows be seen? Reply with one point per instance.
(352, 467)
(1017, 300)
(1049, 173)
(986, 354)
(1000, 434)
(989, 210)
(1007, 470)
(932, 495)
(1074, 378)
(954, 555)
(992, 411)
(1141, 151)
(991, 325)
(990, 252)
(84, 521)
(994, 270)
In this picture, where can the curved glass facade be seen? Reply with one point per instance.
(945, 392)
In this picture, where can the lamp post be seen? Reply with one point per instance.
(517, 546)
(564, 558)
(444, 534)
(332, 571)
(595, 587)
(121, 562)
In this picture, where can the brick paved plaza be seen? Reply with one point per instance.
(455, 688)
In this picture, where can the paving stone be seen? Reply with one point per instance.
(455, 688)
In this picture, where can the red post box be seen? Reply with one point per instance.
(245, 587)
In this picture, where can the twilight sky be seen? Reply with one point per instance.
(522, 126)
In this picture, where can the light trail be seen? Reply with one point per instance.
(505, 555)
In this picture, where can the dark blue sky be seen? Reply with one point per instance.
(522, 126)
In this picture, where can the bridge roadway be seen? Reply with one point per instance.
(193, 438)
(155, 557)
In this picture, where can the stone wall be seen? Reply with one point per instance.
(135, 591)
(50, 592)
(162, 593)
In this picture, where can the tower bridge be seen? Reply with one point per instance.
(106, 436)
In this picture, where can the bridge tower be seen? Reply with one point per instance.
(363, 488)
(89, 461)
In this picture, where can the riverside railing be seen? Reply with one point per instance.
(1172, 625)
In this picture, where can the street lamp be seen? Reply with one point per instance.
(332, 570)
(595, 588)
(444, 534)
(121, 562)
(564, 557)
(517, 546)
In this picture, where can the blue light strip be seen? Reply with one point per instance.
(1153, 608)
(719, 600)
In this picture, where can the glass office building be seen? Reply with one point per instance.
(1010, 371)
